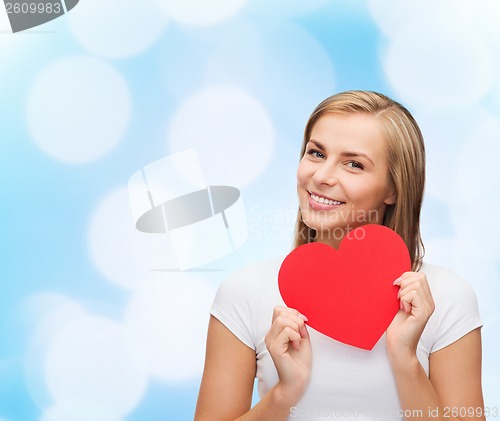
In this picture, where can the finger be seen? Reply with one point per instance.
(404, 276)
(410, 278)
(283, 313)
(406, 306)
(414, 299)
(398, 280)
(419, 290)
(407, 289)
(286, 317)
(406, 302)
(282, 322)
(296, 343)
(284, 339)
(281, 310)
(278, 309)
(415, 280)
(407, 280)
(304, 332)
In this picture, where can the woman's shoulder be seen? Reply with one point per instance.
(264, 267)
(456, 312)
(253, 276)
(244, 300)
(443, 279)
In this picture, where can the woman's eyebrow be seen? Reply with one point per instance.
(317, 144)
(356, 154)
(346, 154)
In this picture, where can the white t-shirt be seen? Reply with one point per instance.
(346, 382)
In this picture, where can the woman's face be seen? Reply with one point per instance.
(343, 178)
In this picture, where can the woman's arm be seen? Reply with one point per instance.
(453, 389)
(228, 376)
(455, 373)
(230, 366)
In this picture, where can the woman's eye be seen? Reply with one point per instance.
(316, 154)
(355, 165)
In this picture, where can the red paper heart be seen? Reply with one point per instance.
(347, 294)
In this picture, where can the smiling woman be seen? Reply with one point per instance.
(340, 189)
(381, 151)
(362, 162)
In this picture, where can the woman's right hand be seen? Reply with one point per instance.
(289, 344)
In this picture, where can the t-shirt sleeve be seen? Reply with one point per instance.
(456, 312)
(232, 305)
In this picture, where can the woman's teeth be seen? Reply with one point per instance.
(325, 201)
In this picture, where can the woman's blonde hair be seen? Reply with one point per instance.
(405, 157)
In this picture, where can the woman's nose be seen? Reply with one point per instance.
(326, 174)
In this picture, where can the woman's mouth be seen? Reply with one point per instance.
(323, 202)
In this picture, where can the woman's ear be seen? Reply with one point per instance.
(391, 198)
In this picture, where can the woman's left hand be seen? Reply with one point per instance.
(417, 307)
